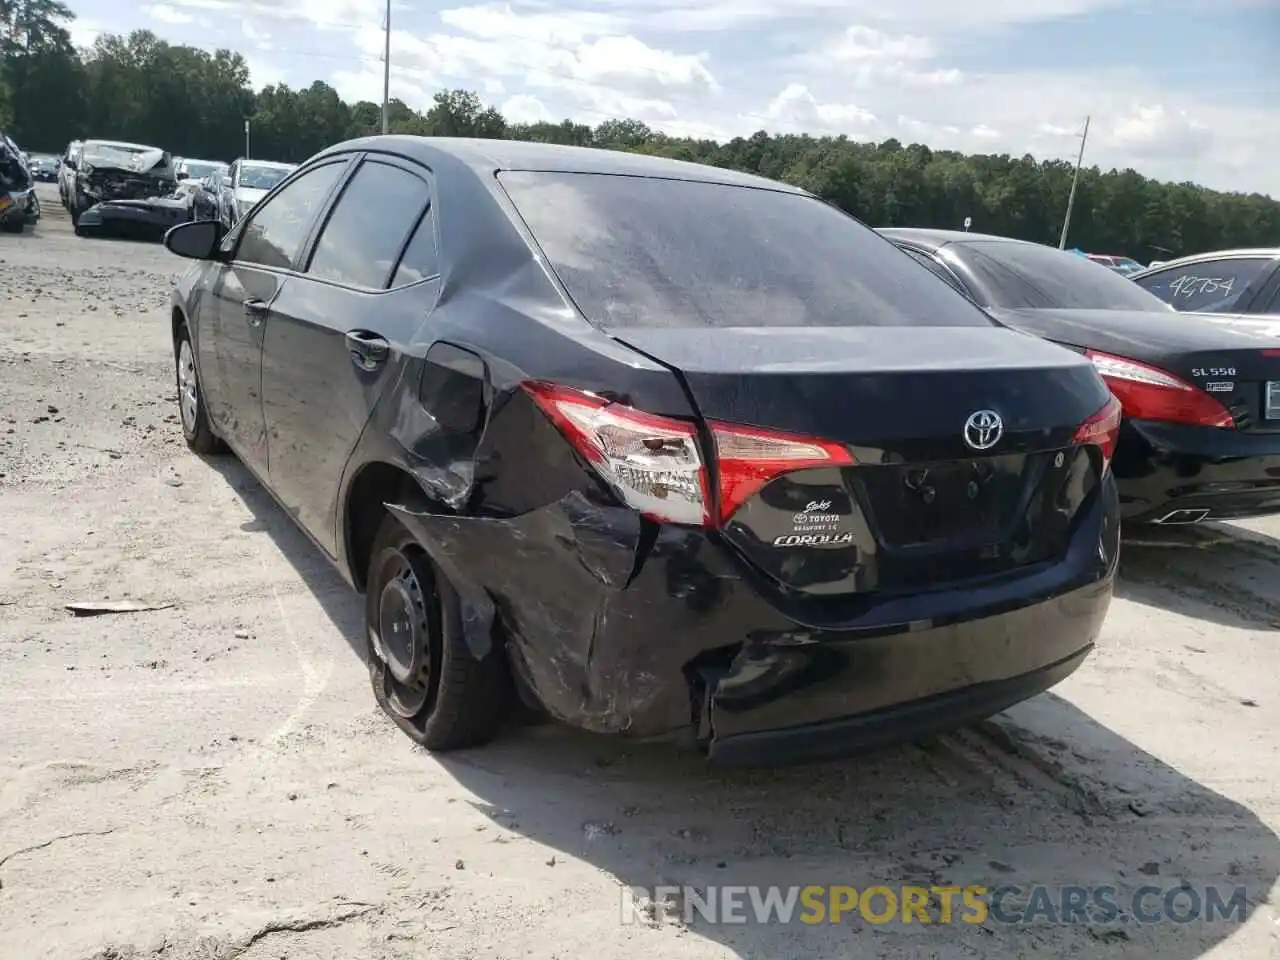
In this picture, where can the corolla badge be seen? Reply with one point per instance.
(983, 429)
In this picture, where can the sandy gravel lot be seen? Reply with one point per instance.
(212, 780)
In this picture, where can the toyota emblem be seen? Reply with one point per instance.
(983, 429)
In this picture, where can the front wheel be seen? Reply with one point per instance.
(424, 674)
(196, 429)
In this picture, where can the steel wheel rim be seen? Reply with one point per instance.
(188, 394)
(404, 619)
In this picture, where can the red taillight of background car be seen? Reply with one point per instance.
(1149, 393)
(1102, 430)
(656, 465)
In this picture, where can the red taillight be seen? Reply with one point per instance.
(1102, 430)
(748, 458)
(1149, 393)
(654, 464)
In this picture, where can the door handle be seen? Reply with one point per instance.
(255, 311)
(368, 350)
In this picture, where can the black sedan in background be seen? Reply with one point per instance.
(670, 450)
(44, 168)
(1201, 434)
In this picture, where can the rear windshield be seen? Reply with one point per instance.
(261, 178)
(119, 153)
(198, 171)
(650, 252)
(1029, 276)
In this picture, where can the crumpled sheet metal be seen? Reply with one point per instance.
(549, 577)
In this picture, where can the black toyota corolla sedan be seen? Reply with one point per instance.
(1201, 433)
(664, 450)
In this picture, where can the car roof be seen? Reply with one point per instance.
(486, 157)
(270, 164)
(936, 239)
(1240, 253)
(120, 143)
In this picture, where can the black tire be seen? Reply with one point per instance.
(13, 226)
(198, 432)
(453, 701)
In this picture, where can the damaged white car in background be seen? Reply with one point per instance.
(124, 188)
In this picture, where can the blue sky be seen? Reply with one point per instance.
(1179, 89)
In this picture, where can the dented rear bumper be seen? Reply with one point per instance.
(618, 626)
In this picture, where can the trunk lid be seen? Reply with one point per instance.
(1237, 365)
(920, 508)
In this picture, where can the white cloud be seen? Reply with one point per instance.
(265, 71)
(715, 15)
(1156, 131)
(523, 108)
(864, 56)
(366, 84)
(876, 70)
(796, 106)
(85, 32)
(574, 60)
(260, 38)
(163, 13)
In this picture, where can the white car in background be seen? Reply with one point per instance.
(1234, 288)
(250, 180)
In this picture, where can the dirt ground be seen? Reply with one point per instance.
(213, 780)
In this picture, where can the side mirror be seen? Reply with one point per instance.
(195, 240)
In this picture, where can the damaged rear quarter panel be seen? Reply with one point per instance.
(533, 542)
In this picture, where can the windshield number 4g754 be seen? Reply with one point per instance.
(1213, 372)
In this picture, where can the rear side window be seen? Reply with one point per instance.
(421, 260)
(1030, 276)
(1214, 286)
(369, 225)
(934, 267)
(651, 252)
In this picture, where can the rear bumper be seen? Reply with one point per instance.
(1176, 474)
(918, 719)
(616, 627)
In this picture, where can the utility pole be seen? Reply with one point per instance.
(1075, 180)
(386, 69)
(246, 138)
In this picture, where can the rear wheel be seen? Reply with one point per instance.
(196, 429)
(423, 673)
(15, 225)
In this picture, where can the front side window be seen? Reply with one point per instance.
(369, 226)
(277, 229)
(656, 252)
(1029, 276)
(1213, 286)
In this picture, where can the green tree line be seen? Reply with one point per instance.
(194, 103)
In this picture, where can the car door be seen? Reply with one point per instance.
(332, 346)
(1208, 286)
(263, 252)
